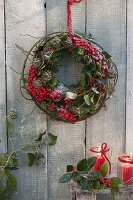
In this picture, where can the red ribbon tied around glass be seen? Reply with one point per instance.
(103, 150)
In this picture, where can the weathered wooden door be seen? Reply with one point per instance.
(111, 24)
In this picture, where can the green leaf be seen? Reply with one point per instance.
(38, 156)
(53, 82)
(94, 176)
(85, 183)
(40, 136)
(87, 100)
(34, 158)
(9, 128)
(82, 165)
(104, 169)
(8, 184)
(115, 181)
(114, 190)
(66, 178)
(69, 168)
(97, 185)
(31, 159)
(52, 139)
(91, 162)
(79, 100)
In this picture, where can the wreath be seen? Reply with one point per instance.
(80, 100)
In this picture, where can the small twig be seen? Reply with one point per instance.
(30, 36)
(31, 112)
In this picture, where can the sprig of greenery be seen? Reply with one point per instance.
(9, 161)
(87, 179)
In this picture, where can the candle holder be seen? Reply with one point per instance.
(125, 169)
(101, 153)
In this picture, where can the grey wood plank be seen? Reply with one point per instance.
(25, 17)
(70, 146)
(129, 92)
(106, 20)
(3, 144)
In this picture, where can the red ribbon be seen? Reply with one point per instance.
(69, 16)
(103, 151)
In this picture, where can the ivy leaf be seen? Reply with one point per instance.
(31, 159)
(69, 168)
(87, 100)
(52, 139)
(94, 176)
(115, 181)
(91, 162)
(82, 165)
(9, 128)
(8, 184)
(40, 136)
(104, 170)
(66, 178)
(34, 158)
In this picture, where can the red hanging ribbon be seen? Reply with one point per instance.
(69, 16)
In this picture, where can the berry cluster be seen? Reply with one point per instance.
(67, 115)
(89, 49)
(41, 94)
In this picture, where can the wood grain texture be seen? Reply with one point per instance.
(106, 21)
(129, 97)
(3, 145)
(25, 17)
(70, 147)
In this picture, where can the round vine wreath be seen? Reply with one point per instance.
(79, 101)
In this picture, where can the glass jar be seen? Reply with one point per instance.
(101, 153)
(125, 169)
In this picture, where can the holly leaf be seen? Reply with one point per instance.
(114, 190)
(52, 139)
(85, 183)
(69, 168)
(79, 100)
(87, 100)
(31, 159)
(115, 181)
(9, 128)
(82, 165)
(91, 162)
(104, 170)
(94, 176)
(40, 136)
(66, 178)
